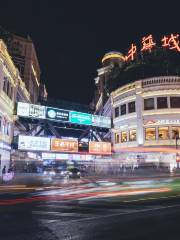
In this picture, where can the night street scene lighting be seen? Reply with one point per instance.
(89, 120)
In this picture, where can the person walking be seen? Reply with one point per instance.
(3, 172)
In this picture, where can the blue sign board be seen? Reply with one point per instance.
(80, 118)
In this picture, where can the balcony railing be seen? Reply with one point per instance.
(164, 80)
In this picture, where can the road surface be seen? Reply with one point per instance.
(105, 210)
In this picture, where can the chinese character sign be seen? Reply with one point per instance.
(170, 42)
(147, 43)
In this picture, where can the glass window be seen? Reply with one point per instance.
(5, 84)
(131, 107)
(175, 102)
(150, 133)
(175, 132)
(132, 135)
(123, 109)
(116, 112)
(148, 103)
(162, 102)
(124, 137)
(163, 133)
(117, 138)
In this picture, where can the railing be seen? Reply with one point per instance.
(164, 80)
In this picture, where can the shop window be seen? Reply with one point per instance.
(124, 137)
(123, 109)
(163, 133)
(117, 138)
(162, 102)
(131, 107)
(149, 104)
(132, 135)
(116, 112)
(175, 132)
(150, 133)
(175, 102)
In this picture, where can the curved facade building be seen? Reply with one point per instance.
(146, 117)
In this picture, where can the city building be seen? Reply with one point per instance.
(8, 87)
(142, 94)
(146, 114)
(24, 56)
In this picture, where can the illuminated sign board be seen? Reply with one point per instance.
(162, 122)
(148, 43)
(63, 145)
(23, 109)
(33, 143)
(80, 118)
(57, 114)
(31, 110)
(101, 121)
(100, 147)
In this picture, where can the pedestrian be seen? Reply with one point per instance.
(3, 171)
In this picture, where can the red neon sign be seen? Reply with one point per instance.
(131, 53)
(147, 43)
(171, 42)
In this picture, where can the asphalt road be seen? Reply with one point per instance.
(47, 215)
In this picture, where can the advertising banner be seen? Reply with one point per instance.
(101, 121)
(80, 118)
(31, 110)
(23, 109)
(100, 147)
(64, 145)
(33, 143)
(57, 114)
(37, 111)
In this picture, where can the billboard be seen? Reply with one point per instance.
(33, 143)
(80, 118)
(100, 147)
(23, 109)
(64, 145)
(57, 114)
(31, 110)
(101, 121)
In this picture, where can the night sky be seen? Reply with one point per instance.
(72, 36)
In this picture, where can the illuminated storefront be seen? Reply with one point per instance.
(146, 113)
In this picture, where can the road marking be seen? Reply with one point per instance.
(123, 214)
(61, 214)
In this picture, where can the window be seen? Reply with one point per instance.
(162, 102)
(163, 133)
(175, 132)
(123, 109)
(124, 137)
(117, 138)
(131, 107)
(116, 112)
(175, 102)
(132, 135)
(148, 103)
(8, 88)
(5, 84)
(150, 133)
